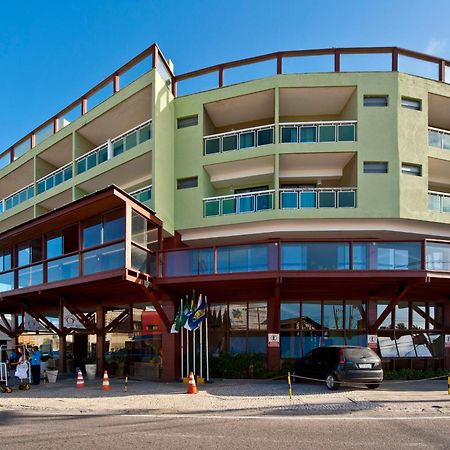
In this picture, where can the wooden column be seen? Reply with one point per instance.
(62, 353)
(170, 354)
(273, 326)
(100, 347)
(446, 331)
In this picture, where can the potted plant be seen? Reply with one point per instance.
(90, 364)
(52, 371)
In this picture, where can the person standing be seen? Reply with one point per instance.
(36, 365)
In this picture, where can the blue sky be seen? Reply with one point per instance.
(52, 52)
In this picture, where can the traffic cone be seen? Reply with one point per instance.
(106, 386)
(192, 387)
(80, 380)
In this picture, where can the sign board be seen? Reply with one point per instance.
(447, 341)
(372, 341)
(273, 340)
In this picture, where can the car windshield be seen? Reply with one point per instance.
(358, 353)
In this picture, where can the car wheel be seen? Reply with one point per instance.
(331, 382)
(373, 385)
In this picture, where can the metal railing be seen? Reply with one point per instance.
(143, 195)
(17, 198)
(239, 139)
(439, 138)
(303, 198)
(439, 201)
(54, 178)
(114, 147)
(247, 202)
(323, 131)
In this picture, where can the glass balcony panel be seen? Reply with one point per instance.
(434, 138)
(7, 281)
(140, 260)
(59, 178)
(189, 262)
(308, 199)
(131, 141)
(327, 133)
(315, 256)
(289, 135)
(145, 133)
(387, 256)
(229, 206)
(245, 258)
(437, 256)
(264, 202)
(247, 139)
(5, 160)
(212, 146)
(446, 204)
(327, 199)
(91, 160)
(15, 200)
(63, 269)
(446, 141)
(41, 187)
(104, 259)
(81, 166)
(118, 147)
(102, 155)
(8, 203)
(30, 276)
(265, 136)
(434, 202)
(346, 133)
(308, 134)
(212, 208)
(346, 199)
(230, 143)
(246, 204)
(289, 200)
(49, 183)
(22, 196)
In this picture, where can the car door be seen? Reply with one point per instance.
(307, 365)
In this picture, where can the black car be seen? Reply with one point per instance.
(342, 364)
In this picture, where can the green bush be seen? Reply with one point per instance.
(241, 365)
(413, 374)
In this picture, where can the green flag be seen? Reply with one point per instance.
(176, 326)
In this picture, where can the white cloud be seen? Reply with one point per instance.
(436, 47)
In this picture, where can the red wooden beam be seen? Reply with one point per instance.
(37, 315)
(114, 323)
(151, 296)
(79, 315)
(6, 331)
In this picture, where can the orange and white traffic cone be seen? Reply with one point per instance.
(106, 386)
(192, 387)
(80, 380)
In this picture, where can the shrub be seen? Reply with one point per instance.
(413, 374)
(240, 365)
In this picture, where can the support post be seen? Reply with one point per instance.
(273, 315)
(100, 347)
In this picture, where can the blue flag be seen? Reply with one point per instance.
(199, 315)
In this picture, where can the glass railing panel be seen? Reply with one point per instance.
(265, 136)
(308, 134)
(434, 138)
(143, 195)
(131, 141)
(308, 199)
(289, 135)
(54, 179)
(387, 256)
(229, 206)
(143, 261)
(63, 268)
(247, 139)
(91, 161)
(437, 256)
(22, 148)
(327, 133)
(446, 203)
(212, 146)
(102, 155)
(189, 262)
(446, 141)
(289, 200)
(230, 143)
(145, 133)
(5, 160)
(434, 202)
(246, 204)
(246, 258)
(104, 259)
(19, 197)
(346, 133)
(7, 281)
(212, 208)
(264, 201)
(315, 256)
(346, 199)
(30, 276)
(81, 166)
(118, 147)
(327, 199)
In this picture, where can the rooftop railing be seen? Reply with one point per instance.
(439, 202)
(326, 131)
(308, 256)
(439, 138)
(150, 58)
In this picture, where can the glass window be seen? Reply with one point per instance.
(375, 167)
(63, 268)
(238, 316)
(412, 169)
(257, 316)
(104, 259)
(434, 138)
(230, 142)
(7, 281)
(54, 244)
(5, 260)
(402, 316)
(412, 103)
(387, 323)
(29, 252)
(438, 256)
(354, 315)
(140, 231)
(311, 315)
(114, 226)
(30, 276)
(186, 183)
(92, 232)
(333, 315)
(290, 316)
(388, 347)
(374, 100)
(140, 260)
(290, 345)
(289, 134)
(185, 122)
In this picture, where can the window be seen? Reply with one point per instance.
(98, 230)
(375, 167)
(185, 122)
(5, 260)
(62, 242)
(412, 169)
(29, 252)
(412, 103)
(375, 100)
(186, 183)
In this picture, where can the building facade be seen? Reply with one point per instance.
(312, 207)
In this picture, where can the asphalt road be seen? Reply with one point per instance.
(200, 431)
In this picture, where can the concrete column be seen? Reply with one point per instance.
(100, 347)
(273, 326)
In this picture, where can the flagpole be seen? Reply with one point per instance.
(182, 344)
(193, 350)
(201, 350)
(187, 345)
(206, 341)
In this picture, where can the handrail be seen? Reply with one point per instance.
(440, 130)
(49, 175)
(442, 194)
(318, 189)
(244, 194)
(320, 122)
(240, 130)
(18, 191)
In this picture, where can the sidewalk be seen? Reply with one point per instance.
(228, 396)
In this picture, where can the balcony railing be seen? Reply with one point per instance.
(439, 138)
(114, 147)
(309, 132)
(55, 178)
(17, 198)
(239, 139)
(143, 195)
(439, 202)
(308, 256)
(239, 203)
(318, 198)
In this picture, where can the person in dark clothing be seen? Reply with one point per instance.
(36, 365)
